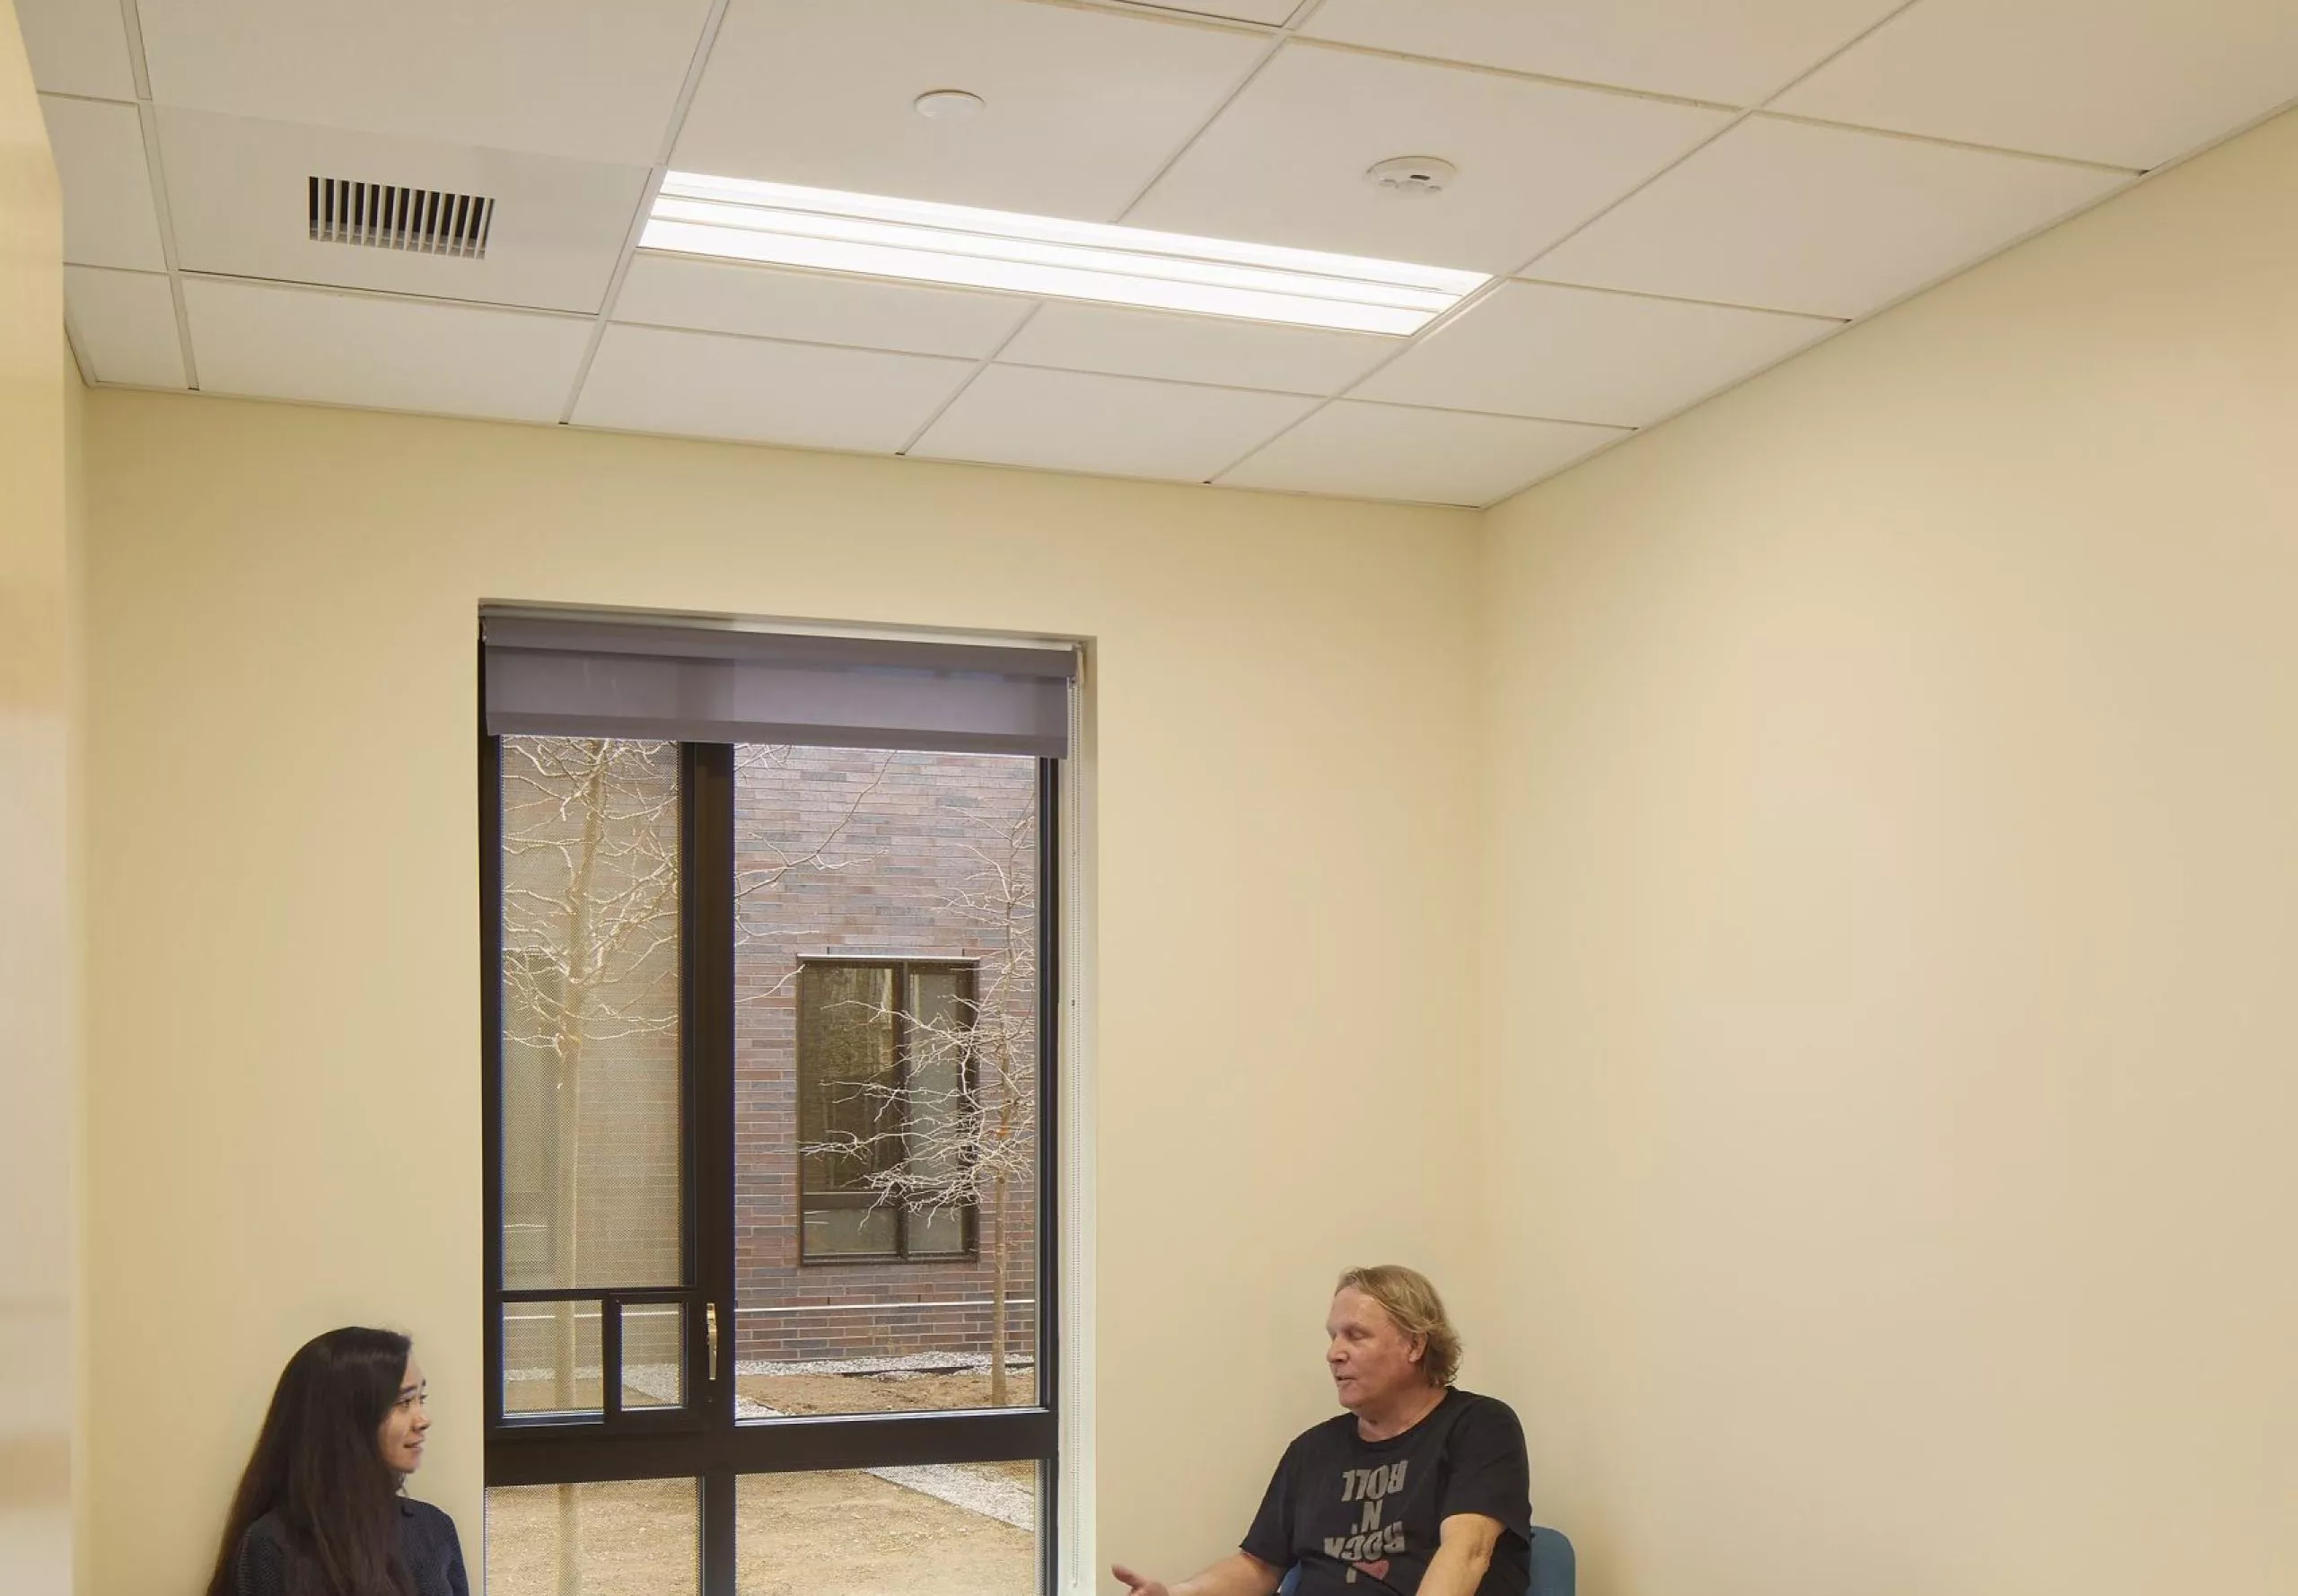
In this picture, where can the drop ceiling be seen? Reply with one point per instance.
(1670, 196)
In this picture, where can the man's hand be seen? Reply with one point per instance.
(1236, 1575)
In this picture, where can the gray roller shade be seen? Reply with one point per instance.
(552, 677)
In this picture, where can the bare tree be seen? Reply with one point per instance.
(957, 1130)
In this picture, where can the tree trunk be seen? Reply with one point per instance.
(997, 1396)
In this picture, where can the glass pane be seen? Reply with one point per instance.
(551, 1358)
(942, 1230)
(951, 1528)
(590, 1132)
(654, 1355)
(850, 1101)
(886, 987)
(938, 1042)
(858, 1232)
(629, 1538)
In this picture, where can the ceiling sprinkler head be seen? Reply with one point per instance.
(1413, 174)
(948, 105)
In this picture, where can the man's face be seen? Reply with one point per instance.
(1370, 1360)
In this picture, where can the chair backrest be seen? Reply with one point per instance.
(1556, 1571)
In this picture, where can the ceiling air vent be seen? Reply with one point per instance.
(387, 216)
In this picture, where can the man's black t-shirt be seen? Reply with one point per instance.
(1361, 1517)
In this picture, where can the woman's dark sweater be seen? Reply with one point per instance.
(427, 1544)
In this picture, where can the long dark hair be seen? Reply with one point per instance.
(319, 1465)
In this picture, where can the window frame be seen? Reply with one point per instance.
(901, 965)
(703, 1440)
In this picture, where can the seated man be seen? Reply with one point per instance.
(1419, 1489)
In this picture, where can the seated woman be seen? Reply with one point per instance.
(319, 1512)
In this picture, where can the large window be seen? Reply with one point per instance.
(769, 1178)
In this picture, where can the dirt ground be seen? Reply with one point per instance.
(882, 1393)
(846, 1534)
(836, 1534)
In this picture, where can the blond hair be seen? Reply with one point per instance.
(1412, 1303)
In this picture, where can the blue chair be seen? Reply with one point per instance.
(1556, 1571)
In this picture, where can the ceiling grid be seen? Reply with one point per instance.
(1525, 267)
(1667, 198)
(1277, 37)
(710, 27)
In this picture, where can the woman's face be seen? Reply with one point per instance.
(403, 1429)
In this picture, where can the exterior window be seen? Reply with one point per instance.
(769, 1194)
(886, 1089)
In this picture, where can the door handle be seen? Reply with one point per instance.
(710, 1323)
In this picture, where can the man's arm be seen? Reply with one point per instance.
(1240, 1573)
(1464, 1546)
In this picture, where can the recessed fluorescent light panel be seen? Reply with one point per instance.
(822, 229)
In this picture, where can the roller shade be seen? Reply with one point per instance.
(704, 684)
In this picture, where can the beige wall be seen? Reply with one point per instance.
(39, 1040)
(285, 1004)
(1892, 896)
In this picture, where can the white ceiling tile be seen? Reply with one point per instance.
(1121, 426)
(239, 192)
(1239, 10)
(1737, 53)
(1081, 106)
(1582, 354)
(1435, 457)
(648, 378)
(1285, 163)
(381, 354)
(78, 47)
(2132, 82)
(1082, 337)
(1824, 220)
(124, 326)
(109, 216)
(715, 296)
(589, 79)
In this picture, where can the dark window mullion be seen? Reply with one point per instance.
(591, 1294)
(1049, 1151)
(490, 1051)
(548, 1454)
(706, 1024)
(610, 1360)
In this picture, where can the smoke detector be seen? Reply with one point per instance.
(1413, 174)
(947, 105)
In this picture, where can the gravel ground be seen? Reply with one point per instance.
(1006, 1491)
(846, 1534)
(949, 1528)
(907, 1362)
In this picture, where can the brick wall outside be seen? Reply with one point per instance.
(858, 852)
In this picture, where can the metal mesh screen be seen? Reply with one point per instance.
(591, 1093)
